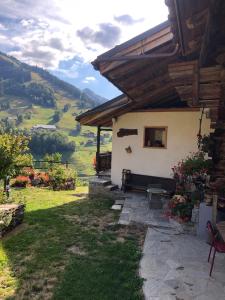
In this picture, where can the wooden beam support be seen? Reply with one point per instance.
(98, 149)
(195, 85)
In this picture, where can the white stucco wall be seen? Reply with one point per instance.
(183, 127)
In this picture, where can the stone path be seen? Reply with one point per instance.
(136, 209)
(175, 267)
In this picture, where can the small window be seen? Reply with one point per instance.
(155, 137)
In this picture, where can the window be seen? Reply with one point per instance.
(155, 137)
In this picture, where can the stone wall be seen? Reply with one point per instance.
(97, 186)
(11, 215)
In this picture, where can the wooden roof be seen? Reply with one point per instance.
(153, 69)
(102, 114)
(199, 28)
(143, 81)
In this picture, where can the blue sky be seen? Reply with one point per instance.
(64, 36)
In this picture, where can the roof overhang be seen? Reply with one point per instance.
(143, 68)
(139, 68)
(102, 115)
(199, 28)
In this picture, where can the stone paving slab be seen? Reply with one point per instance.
(175, 267)
(120, 202)
(137, 206)
(116, 207)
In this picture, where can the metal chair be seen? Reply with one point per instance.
(215, 243)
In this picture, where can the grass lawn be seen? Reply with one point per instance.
(69, 248)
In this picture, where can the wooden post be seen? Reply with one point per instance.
(214, 208)
(195, 100)
(98, 150)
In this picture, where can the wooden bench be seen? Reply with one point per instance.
(131, 181)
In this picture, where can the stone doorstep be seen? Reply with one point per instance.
(119, 202)
(101, 182)
(124, 219)
(111, 187)
(116, 207)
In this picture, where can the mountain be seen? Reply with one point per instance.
(98, 99)
(30, 96)
(38, 86)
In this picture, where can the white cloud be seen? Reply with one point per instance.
(2, 27)
(45, 32)
(90, 78)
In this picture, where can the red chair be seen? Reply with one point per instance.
(215, 243)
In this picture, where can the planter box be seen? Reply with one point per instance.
(205, 214)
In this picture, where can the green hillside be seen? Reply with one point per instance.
(30, 96)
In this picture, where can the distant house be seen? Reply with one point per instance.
(43, 127)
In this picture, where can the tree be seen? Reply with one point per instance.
(19, 119)
(57, 116)
(43, 142)
(78, 128)
(66, 107)
(13, 154)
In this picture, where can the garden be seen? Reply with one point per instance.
(69, 247)
(61, 244)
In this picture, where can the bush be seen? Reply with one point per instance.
(193, 165)
(28, 172)
(42, 178)
(21, 181)
(62, 178)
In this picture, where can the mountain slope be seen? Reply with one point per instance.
(16, 78)
(98, 99)
(30, 95)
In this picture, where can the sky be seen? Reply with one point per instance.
(64, 36)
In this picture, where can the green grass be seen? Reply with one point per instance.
(65, 249)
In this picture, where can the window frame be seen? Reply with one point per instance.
(155, 127)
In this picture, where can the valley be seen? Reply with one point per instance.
(27, 104)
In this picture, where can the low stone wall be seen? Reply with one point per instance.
(11, 215)
(97, 186)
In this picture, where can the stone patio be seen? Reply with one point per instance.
(174, 264)
(136, 209)
(175, 267)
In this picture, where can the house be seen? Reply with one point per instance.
(39, 127)
(172, 80)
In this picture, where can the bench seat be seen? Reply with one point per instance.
(132, 181)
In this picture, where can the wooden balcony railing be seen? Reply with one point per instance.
(103, 161)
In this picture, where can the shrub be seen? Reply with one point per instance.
(62, 178)
(193, 165)
(181, 207)
(28, 171)
(21, 181)
(43, 178)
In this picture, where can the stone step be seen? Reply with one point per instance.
(119, 202)
(111, 187)
(104, 176)
(100, 182)
(116, 207)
